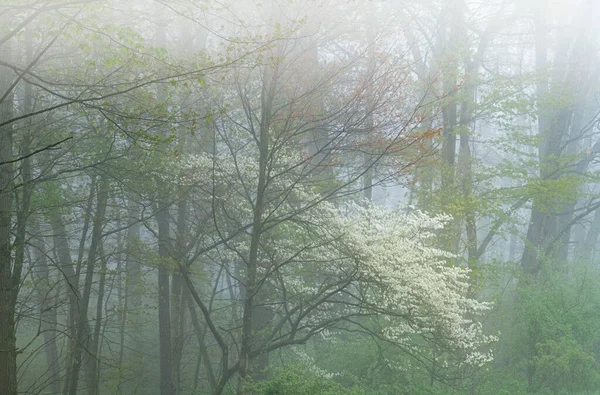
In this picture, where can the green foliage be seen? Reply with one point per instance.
(564, 365)
(374, 367)
(299, 380)
(551, 343)
(502, 381)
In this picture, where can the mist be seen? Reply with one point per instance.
(299, 197)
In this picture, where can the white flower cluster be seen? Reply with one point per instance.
(413, 282)
(309, 363)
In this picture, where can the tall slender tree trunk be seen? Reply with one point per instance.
(450, 78)
(451, 234)
(255, 314)
(67, 271)
(11, 252)
(167, 386)
(578, 83)
(529, 259)
(554, 125)
(164, 317)
(71, 274)
(178, 310)
(133, 281)
(200, 332)
(129, 294)
(83, 330)
(93, 366)
(8, 346)
(48, 306)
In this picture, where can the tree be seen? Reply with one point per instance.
(273, 228)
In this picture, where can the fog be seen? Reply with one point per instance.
(299, 197)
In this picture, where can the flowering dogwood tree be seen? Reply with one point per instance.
(324, 268)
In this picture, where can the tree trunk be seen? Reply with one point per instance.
(48, 305)
(71, 275)
(533, 241)
(93, 373)
(8, 341)
(164, 317)
(177, 297)
(133, 281)
(202, 352)
(61, 246)
(450, 112)
(11, 268)
(83, 330)
(255, 314)
(451, 233)
(167, 386)
(8, 347)
(554, 125)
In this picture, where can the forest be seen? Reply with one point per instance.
(298, 197)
